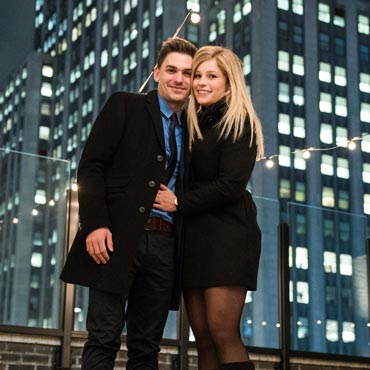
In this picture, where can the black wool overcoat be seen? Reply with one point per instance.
(119, 174)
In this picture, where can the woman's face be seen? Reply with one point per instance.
(209, 84)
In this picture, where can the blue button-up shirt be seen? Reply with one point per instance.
(166, 114)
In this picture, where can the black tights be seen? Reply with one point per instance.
(214, 316)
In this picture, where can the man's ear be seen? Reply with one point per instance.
(156, 73)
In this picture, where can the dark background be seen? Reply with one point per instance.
(17, 19)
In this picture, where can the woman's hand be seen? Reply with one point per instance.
(165, 199)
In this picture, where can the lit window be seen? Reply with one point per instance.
(367, 204)
(342, 168)
(46, 89)
(247, 7)
(40, 196)
(221, 18)
(343, 201)
(114, 76)
(327, 167)
(324, 13)
(299, 161)
(45, 109)
(134, 32)
(341, 106)
(133, 60)
(341, 136)
(301, 258)
(44, 133)
(47, 71)
(115, 50)
(366, 173)
(338, 19)
(127, 7)
(36, 260)
(284, 188)
(104, 58)
(300, 193)
(297, 6)
(299, 128)
(284, 156)
(345, 264)
(348, 332)
(302, 292)
(283, 62)
(146, 19)
(212, 32)
(365, 112)
(116, 18)
(159, 8)
(126, 37)
(330, 262)
(332, 330)
(145, 50)
(298, 65)
(283, 4)
(325, 103)
(298, 95)
(284, 124)
(104, 32)
(340, 77)
(365, 143)
(326, 133)
(328, 197)
(363, 25)
(237, 13)
(283, 92)
(364, 82)
(302, 330)
(125, 66)
(247, 64)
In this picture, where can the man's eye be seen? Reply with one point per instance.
(171, 70)
(187, 73)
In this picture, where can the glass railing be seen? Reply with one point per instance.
(328, 265)
(328, 281)
(33, 206)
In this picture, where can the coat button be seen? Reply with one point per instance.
(141, 209)
(159, 158)
(151, 183)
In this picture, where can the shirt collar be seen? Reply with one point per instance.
(165, 109)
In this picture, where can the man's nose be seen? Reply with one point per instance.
(179, 77)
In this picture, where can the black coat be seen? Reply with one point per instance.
(222, 237)
(119, 174)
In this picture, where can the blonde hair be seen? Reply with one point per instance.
(238, 101)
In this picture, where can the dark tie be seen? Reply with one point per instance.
(172, 160)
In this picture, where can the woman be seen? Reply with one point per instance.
(222, 237)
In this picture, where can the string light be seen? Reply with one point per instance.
(35, 212)
(194, 18)
(350, 144)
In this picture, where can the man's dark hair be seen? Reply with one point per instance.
(175, 45)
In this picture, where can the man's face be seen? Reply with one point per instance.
(173, 78)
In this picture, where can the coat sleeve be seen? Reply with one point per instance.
(99, 150)
(237, 160)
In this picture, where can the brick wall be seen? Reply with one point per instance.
(35, 352)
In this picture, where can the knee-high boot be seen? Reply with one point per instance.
(238, 366)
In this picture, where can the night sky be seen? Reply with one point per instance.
(16, 34)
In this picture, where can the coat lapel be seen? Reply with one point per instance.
(152, 106)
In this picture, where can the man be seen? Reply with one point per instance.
(125, 251)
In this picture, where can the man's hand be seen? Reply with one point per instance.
(97, 243)
(165, 199)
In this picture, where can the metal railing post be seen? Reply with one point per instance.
(69, 290)
(184, 338)
(284, 304)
